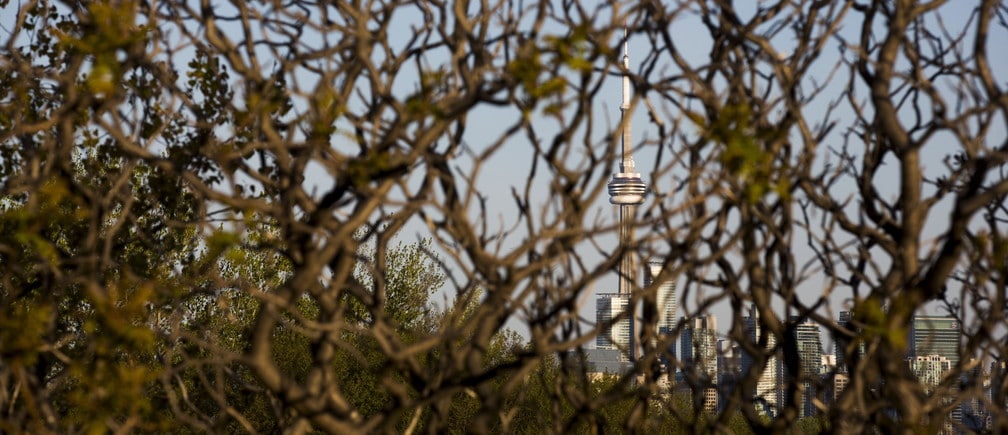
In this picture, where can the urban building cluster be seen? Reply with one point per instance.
(710, 367)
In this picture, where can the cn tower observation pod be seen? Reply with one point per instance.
(627, 188)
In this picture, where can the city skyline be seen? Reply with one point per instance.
(705, 362)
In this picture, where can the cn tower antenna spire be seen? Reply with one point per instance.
(626, 189)
(627, 165)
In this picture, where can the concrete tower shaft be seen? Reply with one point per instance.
(626, 189)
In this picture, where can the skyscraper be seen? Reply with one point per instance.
(665, 298)
(626, 190)
(619, 336)
(840, 342)
(729, 370)
(809, 342)
(934, 352)
(841, 377)
(768, 386)
(699, 347)
(935, 335)
(699, 357)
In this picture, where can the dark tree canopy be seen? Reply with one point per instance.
(264, 216)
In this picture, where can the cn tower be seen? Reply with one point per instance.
(626, 189)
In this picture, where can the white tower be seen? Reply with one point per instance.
(626, 189)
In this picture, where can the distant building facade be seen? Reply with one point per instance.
(615, 334)
(809, 343)
(840, 342)
(729, 370)
(930, 369)
(666, 301)
(699, 357)
(934, 352)
(934, 335)
(601, 362)
(768, 385)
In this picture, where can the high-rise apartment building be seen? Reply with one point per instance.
(666, 301)
(620, 334)
(930, 369)
(729, 370)
(666, 297)
(840, 342)
(699, 357)
(699, 347)
(768, 385)
(809, 343)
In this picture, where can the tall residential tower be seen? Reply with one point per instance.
(665, 297)
(768, 385)
(700, 359)
(808, 338)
